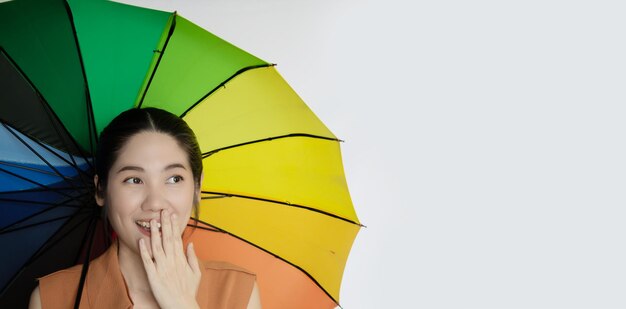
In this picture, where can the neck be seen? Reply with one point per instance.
(132, 269)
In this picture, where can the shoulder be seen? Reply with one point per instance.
(63, 275)
(35, 299)
(58, 288)
(224, 285)
(74, 272)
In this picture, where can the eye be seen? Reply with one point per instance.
(175, 179)
(133, 180)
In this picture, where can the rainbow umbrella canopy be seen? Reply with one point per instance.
(274, 197)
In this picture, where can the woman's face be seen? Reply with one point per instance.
(151, 174)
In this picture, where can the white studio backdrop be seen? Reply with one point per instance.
(484, 140)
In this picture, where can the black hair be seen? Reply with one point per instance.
(137, 120)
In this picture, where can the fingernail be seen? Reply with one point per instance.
(174, 216)
(141, 242)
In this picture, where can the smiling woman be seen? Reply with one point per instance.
(148, 179)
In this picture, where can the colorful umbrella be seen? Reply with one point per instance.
(274, 198)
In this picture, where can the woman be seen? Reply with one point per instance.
(148, 180)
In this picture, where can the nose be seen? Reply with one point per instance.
(154, 200)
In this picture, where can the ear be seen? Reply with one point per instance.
(99, 199)
(199, 189)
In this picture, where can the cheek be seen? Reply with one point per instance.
(122, 202)
(182, 201)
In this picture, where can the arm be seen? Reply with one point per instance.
(35, 300)
(255, 299)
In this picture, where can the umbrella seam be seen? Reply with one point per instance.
(38, 170)
(33, 190)
(85, 268)
(36, 202)
(161, 52)
(286, 204)
(35, 224)
(54, 206)
(273, 254)
(29, 261)
(49, 112)
(31, 181)
(212, 152)
(222, 84)
(51, 245)
(51, 150)
(91, 127)
(39, 156)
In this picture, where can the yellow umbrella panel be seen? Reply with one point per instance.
(273, 175)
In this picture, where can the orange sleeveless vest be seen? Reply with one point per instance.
(222, 285)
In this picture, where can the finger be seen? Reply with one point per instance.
(192, 259)
(176, 235)
(155, 241)
(166, 232)
(145, 257)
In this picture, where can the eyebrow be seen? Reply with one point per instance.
(140, 169)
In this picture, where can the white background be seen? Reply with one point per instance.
(484, 144)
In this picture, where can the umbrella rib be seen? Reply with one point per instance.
(83, 273)
(38, 155)
(161, 52)
(72, 164)
(36, 202)
(50, 113)
(59, 204)
(91, 123)
(69, 153)
(212, 152)
(213, 197)
(34, 190)
(285, 204)
(56, 128)
(32, 181)
(38, 170)
(82, 247)
(30, 261)
(221, 230)
(70, 16)
(35, 224)
(50, 245)
(213, 229)
(80, 150)
(222, 84)
(66, 179)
